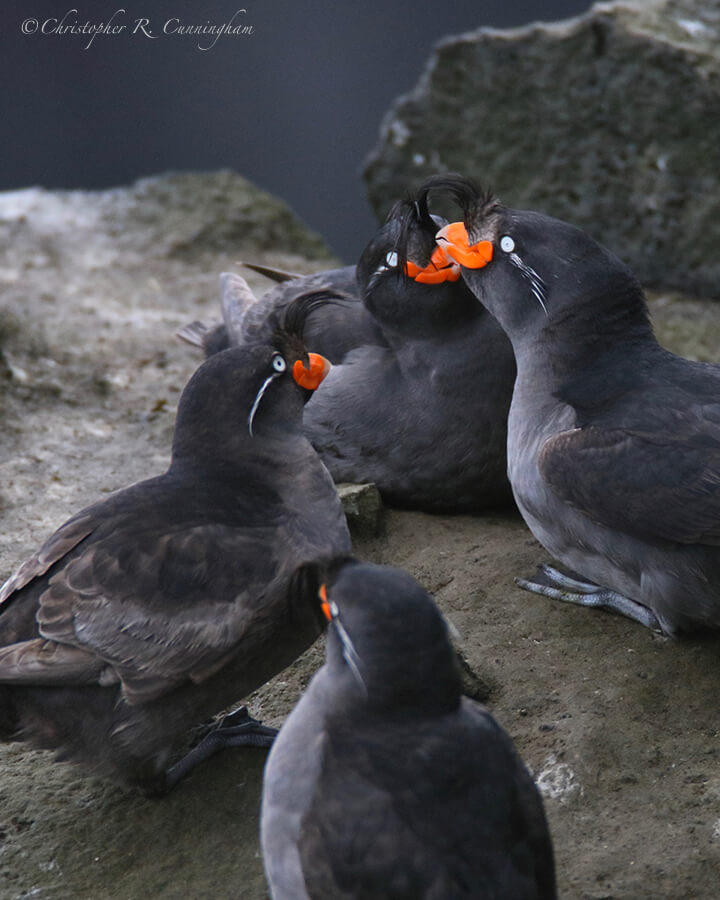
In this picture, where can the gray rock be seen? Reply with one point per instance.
(197, 213)
(363, 508)
(610, 121)
(179, 215)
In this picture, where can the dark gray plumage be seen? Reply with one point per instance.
(384, 781)
(424, 417)
(614, 442)
(418, 402)
(152, 610)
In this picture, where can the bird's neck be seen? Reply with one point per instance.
(231, 462)
(587, 340)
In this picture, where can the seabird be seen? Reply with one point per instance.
(613, 441)
(150, 611)
(385, 781)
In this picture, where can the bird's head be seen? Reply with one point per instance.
(407, 281)
(534, 273)
(388, 643)
(255, 390)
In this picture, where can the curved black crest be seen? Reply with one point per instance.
(286, 325)
(415, 223)
(474, 201)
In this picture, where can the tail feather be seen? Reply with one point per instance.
(278, 275)
(236, 298)
(194, 333)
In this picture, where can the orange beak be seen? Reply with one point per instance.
(453, 238)
(440, 268)
(310, 377)
(325, 606)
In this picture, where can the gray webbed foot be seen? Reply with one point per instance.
(236, 729)
(550, 582)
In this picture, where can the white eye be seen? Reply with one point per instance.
(278, 363)
(507, 243)
(392, 259)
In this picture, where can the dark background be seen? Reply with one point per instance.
(295, 107)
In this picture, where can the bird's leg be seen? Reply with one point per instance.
(236, 729)
(551, 583)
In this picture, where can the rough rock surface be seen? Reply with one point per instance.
(363, 508)
(619, 726)
(610, 121)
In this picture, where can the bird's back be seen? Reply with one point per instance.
(423, 807)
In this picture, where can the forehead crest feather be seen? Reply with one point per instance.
(481, 208)
(287, 325)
